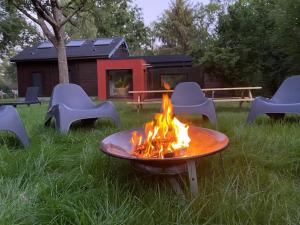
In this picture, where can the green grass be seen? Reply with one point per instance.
(65, 179)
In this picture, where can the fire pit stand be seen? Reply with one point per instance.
(204, 142)
(171, 171)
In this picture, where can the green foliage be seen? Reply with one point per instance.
(9, 71)
(205, 20)
(175, 29)
(122, 82)
(15, 34)
(187, 28)
(257, 44)
(287, 34)
(65, 179)
(110, 18)
(244, 42)
(14, 30)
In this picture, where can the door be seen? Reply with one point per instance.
(37, 81)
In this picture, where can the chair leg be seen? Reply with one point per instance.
(252, 115)
(212, 116)
(62, 123)
(21, 134)
(64, 126)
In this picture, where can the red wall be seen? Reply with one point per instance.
(138, 67)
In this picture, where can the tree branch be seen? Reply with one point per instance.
(70, 21)
(69, 17)
(41, 11)
(22, 10)
(46, 30)
(44, 8)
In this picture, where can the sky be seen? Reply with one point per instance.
(152, 9)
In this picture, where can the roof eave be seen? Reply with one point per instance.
(117, 47)
(55, 59)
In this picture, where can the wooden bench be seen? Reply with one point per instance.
(245, 96)
(2, 93)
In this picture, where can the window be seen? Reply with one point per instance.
(46, 44)
(173, 79)
(119, 82)
(75, 43)
(106, 41)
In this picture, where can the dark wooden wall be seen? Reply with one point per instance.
(82, 72)
(48, 70)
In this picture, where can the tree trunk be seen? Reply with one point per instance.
(62, 62)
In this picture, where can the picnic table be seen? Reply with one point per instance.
(245, 95)
(2, 93)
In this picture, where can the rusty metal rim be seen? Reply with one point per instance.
(158, 160)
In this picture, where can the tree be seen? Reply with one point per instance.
(205, 22)
(52, 16)
(286, 36)
(15, 34)
(107, 18)
(175, 28)
(14, 31)
(188, 28)
(244, 53)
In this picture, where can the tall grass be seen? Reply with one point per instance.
(65, 179)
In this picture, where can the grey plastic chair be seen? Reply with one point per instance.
(188, 98)
(10, 121)
(30, 98)
(69, 103)
(32, 94)
(285, 100)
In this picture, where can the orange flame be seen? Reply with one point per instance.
(166, 85)
(165, 136)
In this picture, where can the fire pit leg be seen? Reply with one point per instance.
(191, 164)
(175, 186)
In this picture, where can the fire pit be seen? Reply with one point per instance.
(166, 146)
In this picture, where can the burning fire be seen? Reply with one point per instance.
(165, 137)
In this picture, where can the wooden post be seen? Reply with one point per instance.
(191, 164)
(138, 105)
(250, 94)
(242, 97)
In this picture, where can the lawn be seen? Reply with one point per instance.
(65, 179)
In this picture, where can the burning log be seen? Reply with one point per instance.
(166, 136)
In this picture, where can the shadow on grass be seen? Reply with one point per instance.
(283, 120)
(10, 140)
(87, 124)
(232, 109)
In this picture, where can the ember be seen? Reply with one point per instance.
(165, 137)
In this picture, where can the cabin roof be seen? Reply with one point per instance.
(156, 59)
(76, 49)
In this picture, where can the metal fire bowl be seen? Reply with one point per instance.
(204, 142)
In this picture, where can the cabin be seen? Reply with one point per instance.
(103, 67)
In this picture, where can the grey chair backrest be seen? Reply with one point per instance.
(32, 94)
(72, 95)
(289, 91)
(188, 93)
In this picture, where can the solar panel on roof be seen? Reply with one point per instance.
(100, 42)
(46, 44)
(75, 43)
